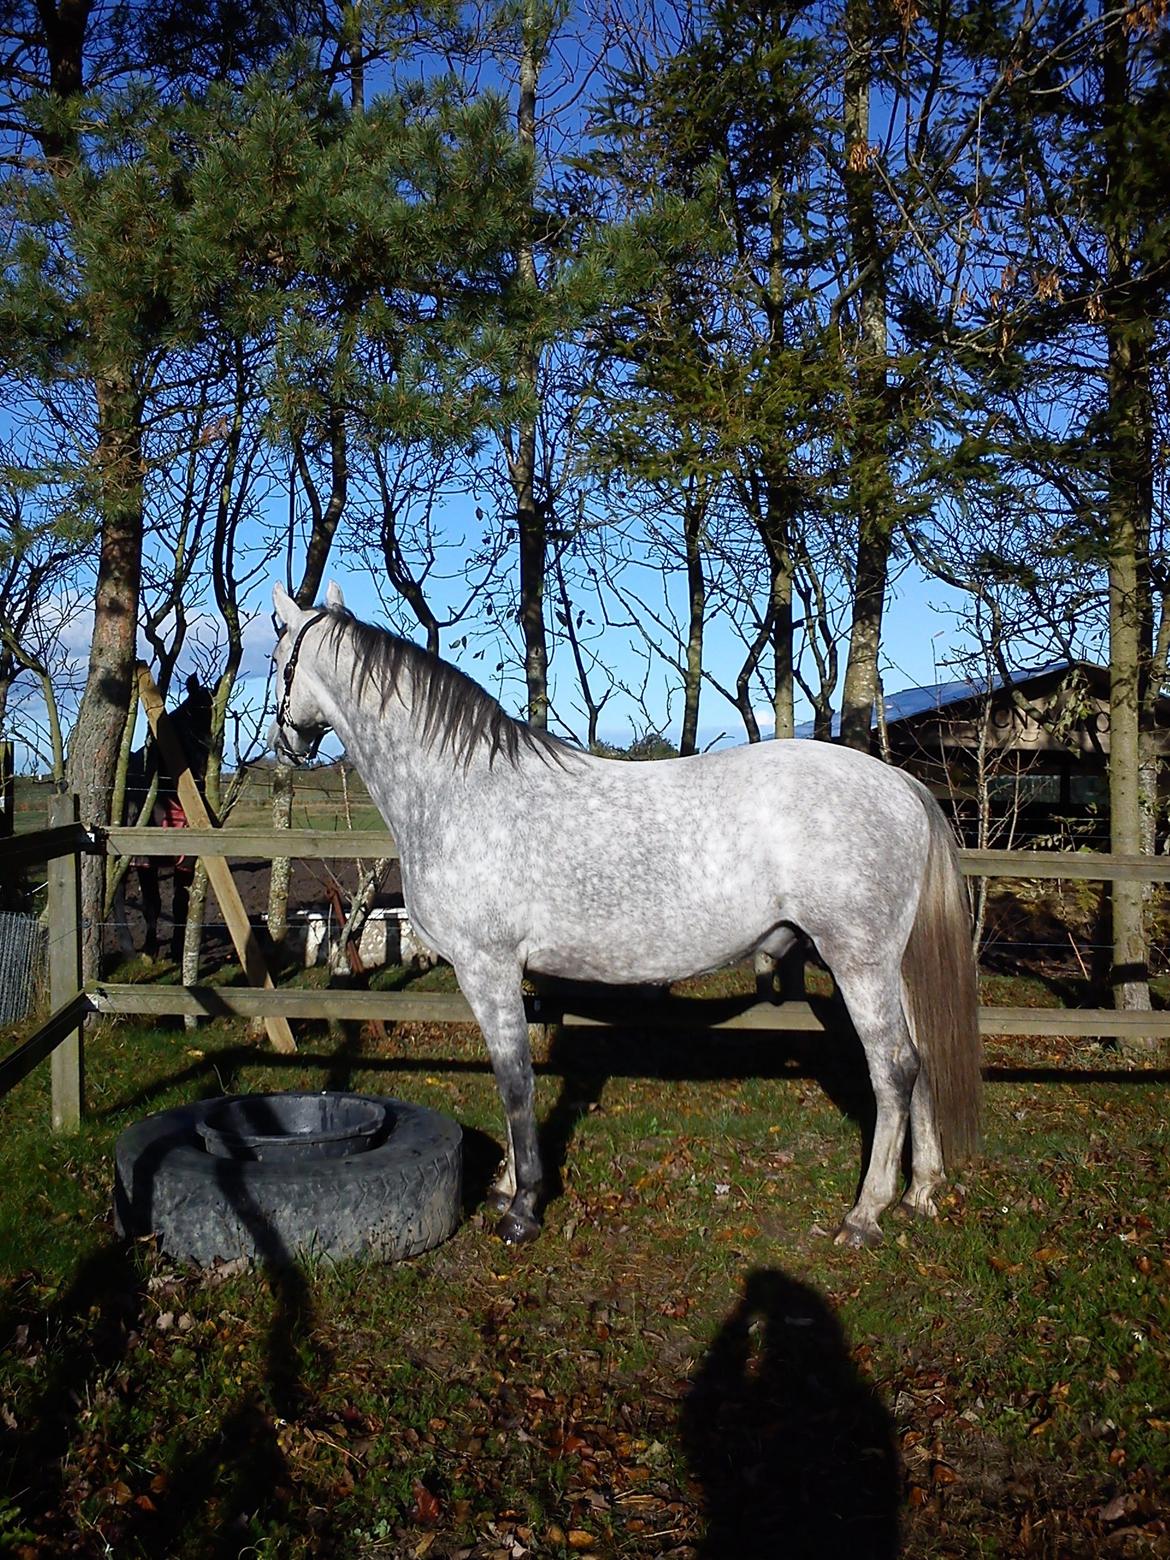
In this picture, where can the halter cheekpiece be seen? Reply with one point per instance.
(314, 735)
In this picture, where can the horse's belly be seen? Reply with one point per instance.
(624, 956)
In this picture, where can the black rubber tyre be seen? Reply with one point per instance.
(394, 1200)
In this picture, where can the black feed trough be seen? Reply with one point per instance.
(292, 1126)
(277, 1177)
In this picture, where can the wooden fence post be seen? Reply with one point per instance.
(68, 1060)
(7, 791)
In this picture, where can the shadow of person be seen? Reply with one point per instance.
(793, 1449)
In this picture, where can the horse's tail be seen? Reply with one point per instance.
(941, 994)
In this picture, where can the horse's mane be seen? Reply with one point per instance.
(456, 713)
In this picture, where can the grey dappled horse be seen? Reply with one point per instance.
(520, 853)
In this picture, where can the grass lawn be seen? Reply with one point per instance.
(683, 1365)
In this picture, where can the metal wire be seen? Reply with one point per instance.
(22, 961)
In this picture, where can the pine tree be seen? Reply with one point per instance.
(360, 255)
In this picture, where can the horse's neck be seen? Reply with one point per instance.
(406, 776)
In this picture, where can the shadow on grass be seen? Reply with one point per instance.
(793, 1449)
(77, 1339)
(585, 1060)
(231, 1480)
(237, 1478)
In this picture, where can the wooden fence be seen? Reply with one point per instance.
(61, 1037)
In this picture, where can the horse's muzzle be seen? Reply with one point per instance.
(285, 751)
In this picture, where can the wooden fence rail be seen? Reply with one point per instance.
(61, 1036)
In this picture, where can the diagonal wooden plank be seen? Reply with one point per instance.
(219, 874)
(61, 1026)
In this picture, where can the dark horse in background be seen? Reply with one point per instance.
(191, 723)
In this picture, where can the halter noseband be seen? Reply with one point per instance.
(313, 735)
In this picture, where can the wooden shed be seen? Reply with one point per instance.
(1033, 747)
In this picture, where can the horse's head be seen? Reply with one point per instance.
(300, 724)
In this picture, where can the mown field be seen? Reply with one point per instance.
(684, 1365)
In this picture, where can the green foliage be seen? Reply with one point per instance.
(368, 251)
(648, 745)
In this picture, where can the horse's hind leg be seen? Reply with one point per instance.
(927, 1173)
(494, 991)
(873, 996)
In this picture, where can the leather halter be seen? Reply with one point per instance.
(314, 735)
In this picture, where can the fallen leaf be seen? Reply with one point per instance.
(1120, 1506)
(579, 1539)
(427, 1508)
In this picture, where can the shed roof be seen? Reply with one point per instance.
(936, 697)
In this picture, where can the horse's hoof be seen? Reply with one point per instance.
(517, 1229)
(858, 1236)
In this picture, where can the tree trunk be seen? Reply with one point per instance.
(101, 719)
(778, 540)
(780, 609)
(694, 514)
(531, 520)
(117, 462)
(278, 882)
(1130, 972)
(869, 477)
(860, 688)
(193, 936)
(325, 515)
(1128, 335)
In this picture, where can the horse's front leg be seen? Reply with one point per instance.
(494, 992)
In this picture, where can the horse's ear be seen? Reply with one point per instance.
(333, 597)
(286, 609)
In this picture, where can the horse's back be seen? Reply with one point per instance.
(645, 871)
(783, 803)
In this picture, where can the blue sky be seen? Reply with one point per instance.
(921, 642)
